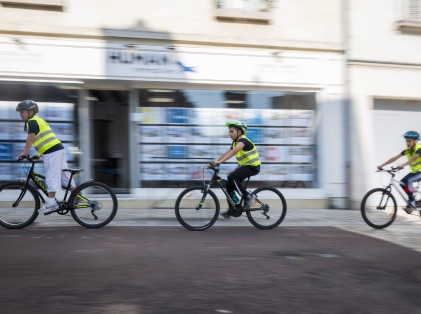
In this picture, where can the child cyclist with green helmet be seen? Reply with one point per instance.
(248, 162)
(413, 153)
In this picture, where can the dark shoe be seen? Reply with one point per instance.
(408, 208)
(226, 215)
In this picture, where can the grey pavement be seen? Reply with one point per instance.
(405, 231)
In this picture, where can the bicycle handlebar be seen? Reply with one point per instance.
(213, 167)
(27, 157)
(392, 170)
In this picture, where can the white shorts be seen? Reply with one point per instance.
(55, 178)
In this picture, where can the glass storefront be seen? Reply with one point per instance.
(180, 131)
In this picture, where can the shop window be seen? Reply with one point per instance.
(235, 99)
(177, 138)
(257, 11)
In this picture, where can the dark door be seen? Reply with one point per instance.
(110, 138)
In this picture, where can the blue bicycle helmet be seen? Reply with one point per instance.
(412, 134)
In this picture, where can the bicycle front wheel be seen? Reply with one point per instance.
(269, 208)
(195, 210)
(379, 208)
(18, 206)
(95, 204)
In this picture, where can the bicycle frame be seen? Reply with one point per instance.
(37, 179)
(216, 179)
(396, 184)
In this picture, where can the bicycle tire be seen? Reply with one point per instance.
(379, 208)
(97, 207)
(193, 218)
(25, 213)
(269, 209)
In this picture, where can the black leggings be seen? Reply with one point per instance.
(237, 176)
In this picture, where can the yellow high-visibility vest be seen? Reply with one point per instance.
(415, 165)
(249, 158)
(45, 138)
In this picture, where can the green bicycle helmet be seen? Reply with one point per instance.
(237, 124)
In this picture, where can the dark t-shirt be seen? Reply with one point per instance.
(418, 152)
(247, 145)
(33, 127)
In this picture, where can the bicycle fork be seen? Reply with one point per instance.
(202, 201)
(383, 201)
(21, 195)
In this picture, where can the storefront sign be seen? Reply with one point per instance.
(121, 61)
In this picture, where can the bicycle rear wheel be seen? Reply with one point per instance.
(17, 215)
(95, 204)
(195, 212)
(269, 208)
(379, 208)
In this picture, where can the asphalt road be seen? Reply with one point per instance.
(226, 269)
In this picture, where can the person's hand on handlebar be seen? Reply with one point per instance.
(33, 158)
(213, 164)
(22, 157)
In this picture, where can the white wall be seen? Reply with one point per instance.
(295, 23)
(384, 63)
(374, 33)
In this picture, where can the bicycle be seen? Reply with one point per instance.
(379, 206)
(197, 208)
(91, 204)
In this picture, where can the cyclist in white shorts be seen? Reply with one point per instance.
(49, 148)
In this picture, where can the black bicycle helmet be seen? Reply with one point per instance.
(27, 105)
(412, 134)
(237, 124)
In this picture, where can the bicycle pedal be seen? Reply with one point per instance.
(50, 212)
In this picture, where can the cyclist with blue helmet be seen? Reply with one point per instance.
(413, 153)
(248, 162)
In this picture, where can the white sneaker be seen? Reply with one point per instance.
(48, 209)
(249, 198)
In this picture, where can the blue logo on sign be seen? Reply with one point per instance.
(183, 67)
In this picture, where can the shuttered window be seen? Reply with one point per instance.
(409, 15)
(51, 5)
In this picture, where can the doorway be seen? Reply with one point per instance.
(110, 153)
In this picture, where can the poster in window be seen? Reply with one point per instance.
(151, 115)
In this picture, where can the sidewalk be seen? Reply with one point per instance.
(405, 231)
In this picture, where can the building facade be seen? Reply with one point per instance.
(140, 91)
(384, 75)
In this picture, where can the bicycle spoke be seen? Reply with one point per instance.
(269, 208)
(16, 214)
(194, 212)
(95, 205)
(378, 208)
